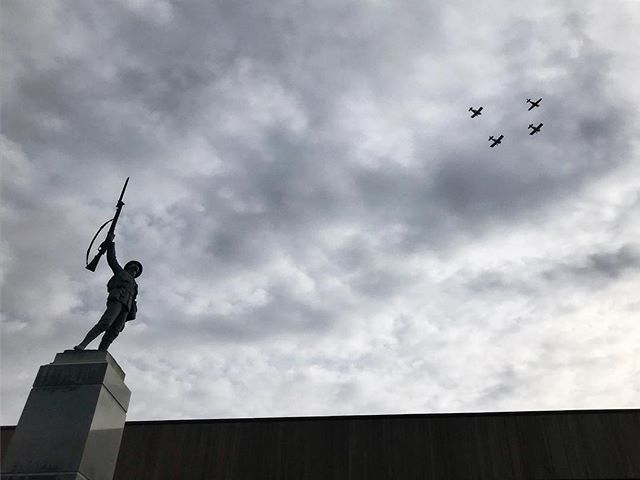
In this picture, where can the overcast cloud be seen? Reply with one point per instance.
(323, 228)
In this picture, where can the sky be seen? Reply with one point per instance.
(324, 229)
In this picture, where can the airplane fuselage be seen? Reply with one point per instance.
(534, 129)
(496, 141)
(475, 112)
(533, 104)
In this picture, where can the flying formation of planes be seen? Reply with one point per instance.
(497, 141)
(534, 129)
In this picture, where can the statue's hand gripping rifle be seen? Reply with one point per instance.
(94, 263)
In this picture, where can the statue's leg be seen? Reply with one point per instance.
(114, 330)
(108, 318)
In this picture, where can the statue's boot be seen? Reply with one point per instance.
(93, 333)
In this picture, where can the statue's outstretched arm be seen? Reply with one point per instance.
(111, 257)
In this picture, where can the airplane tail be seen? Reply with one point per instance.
(528, 99)
(531, 125)
(491, 138)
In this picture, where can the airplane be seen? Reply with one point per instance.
(534, 129)
(496, 141)
(533, 104)
(475, 112)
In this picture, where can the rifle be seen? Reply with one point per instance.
(102, 249)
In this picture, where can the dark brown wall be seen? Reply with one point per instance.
(560, 445)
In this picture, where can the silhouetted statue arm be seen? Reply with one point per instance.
(111, 257)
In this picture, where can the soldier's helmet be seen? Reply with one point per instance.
(137, 264)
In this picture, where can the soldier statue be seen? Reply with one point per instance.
(121, 303)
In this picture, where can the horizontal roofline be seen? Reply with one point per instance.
(395, 416)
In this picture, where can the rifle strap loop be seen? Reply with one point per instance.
(94, 238)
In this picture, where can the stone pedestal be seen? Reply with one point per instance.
(72, 423)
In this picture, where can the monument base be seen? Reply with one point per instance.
(72, 423)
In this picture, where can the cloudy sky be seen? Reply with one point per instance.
(323, 228)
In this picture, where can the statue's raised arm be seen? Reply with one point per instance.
(111, 256)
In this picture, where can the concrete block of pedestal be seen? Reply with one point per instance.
(72, 423)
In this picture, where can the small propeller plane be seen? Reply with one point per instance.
(475, 112)
(534, 129)
(533, 104)
(496, 141)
